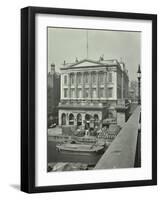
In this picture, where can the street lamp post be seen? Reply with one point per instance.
(139, 78)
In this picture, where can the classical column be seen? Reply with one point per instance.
(122, 85)
(62, 86)
(60, 122)
(83, 119)
(97, 84)
(90, 85)
(83, 84)
(75, 83)
(105, 84)
(75, 118)
(67, 118)
(69, 85)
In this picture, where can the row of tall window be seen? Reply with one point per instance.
(79, 93)
(79, 78)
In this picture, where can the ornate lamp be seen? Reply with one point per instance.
(139, 79)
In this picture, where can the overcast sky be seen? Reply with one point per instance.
(67, 44)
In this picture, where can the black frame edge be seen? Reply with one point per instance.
(154, 99)
(92, 13)
(24, 100)
(28, 99)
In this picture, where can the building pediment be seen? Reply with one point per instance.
(90, 63)
(84, 63)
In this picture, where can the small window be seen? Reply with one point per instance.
(101, 78)
(65, 92)
(86, 79)
(79, 78)
(79, 93)
(72, 93)
(119, 92)
(86, 93)
(65, 80)
(110, 77)
(110, 92)
(94, 78)
(72, 79)
(94, 95)
(101, 91)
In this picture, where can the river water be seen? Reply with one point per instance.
(54, 156)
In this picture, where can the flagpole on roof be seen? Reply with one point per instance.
(87, 42)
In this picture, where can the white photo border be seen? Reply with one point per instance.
(42, 178)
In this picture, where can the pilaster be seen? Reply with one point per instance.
(105, 85)
(97, 84)
(83, 85)
(69, 86)
(90, 85)
(75, 84)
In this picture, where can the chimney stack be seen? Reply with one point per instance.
(52, 69)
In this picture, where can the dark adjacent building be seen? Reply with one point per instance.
(53, 95)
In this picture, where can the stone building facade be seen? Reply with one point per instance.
(90, 90)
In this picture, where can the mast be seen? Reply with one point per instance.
(87, 42)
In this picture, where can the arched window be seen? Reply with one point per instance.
(87, 121)
(96, 118)
(87, 118)
(71, 119)
(79, 119)
(63, 119)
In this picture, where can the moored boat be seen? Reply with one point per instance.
(80, 149)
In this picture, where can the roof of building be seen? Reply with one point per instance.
(87, 63)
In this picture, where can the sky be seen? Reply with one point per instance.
(67, 44)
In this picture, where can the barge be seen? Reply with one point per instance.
(80, 149)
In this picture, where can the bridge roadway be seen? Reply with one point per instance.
(122, 151)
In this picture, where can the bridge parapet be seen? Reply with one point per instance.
(122, 151)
